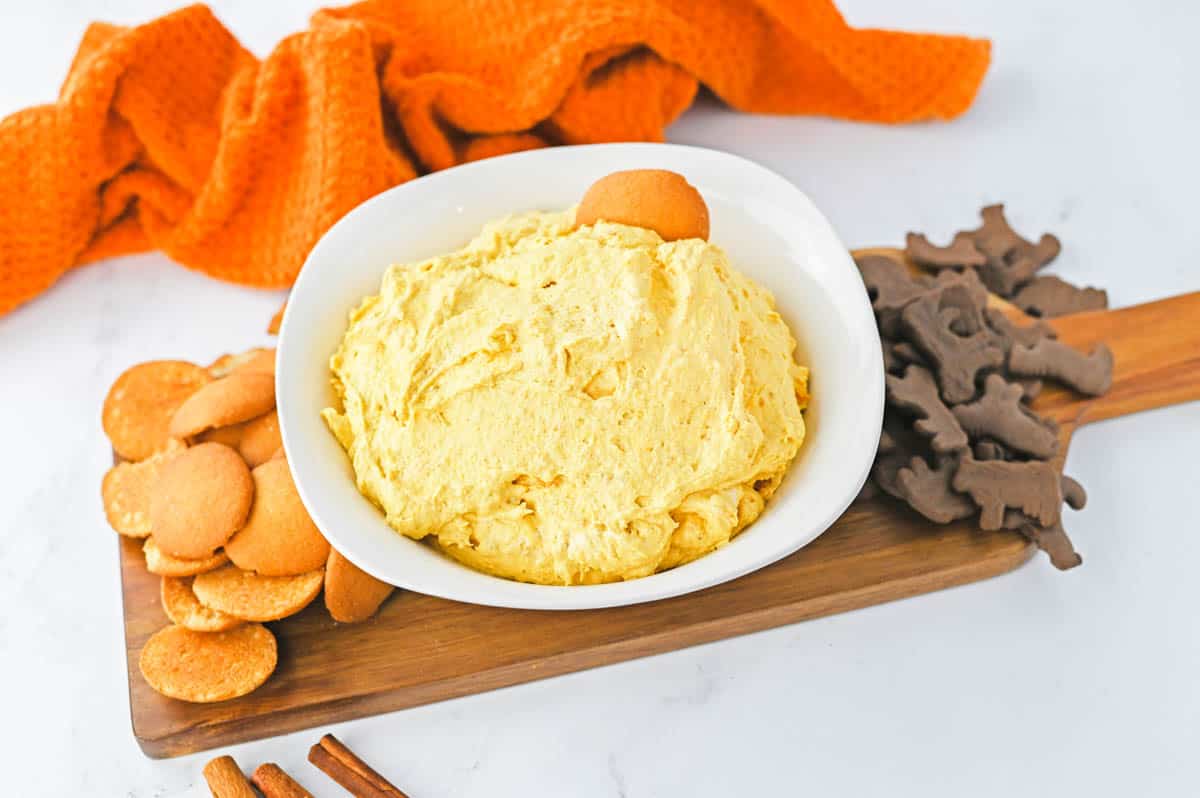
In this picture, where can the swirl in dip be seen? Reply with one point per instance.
(569, 406)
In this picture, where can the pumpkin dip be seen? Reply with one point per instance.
(569, 405)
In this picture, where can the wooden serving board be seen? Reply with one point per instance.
(419, 649)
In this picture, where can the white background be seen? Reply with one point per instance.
(1035, 683)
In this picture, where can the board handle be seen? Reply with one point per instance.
(1156, 350)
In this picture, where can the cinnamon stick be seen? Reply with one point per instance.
(225, 779)
(356, 776)
(274, 782)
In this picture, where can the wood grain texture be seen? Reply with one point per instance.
(418, 649)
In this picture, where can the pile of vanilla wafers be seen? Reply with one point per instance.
(202, 477)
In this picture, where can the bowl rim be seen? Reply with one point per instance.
(508, 593)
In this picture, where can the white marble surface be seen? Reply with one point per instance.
(1035, 683)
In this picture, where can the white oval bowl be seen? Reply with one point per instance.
(770, 230)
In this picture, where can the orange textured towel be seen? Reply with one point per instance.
(170, 135)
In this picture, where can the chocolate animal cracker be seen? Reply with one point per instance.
(960, 438)
(1049, 296)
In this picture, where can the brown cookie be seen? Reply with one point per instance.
(899, 435)
(182, 607)
(990, 450)
(253, 597)
(1010, 333)
(1089, 374)
(891, 363)
(1011, 260)
(898, 445)
(1003, 276)
(126, 490)
(929, 492)
(163, 564)
(957, 359)
(905, 353)
(886, 471)
(963, 292)
(656, 199)
(999, 414)
(201, 497)
(279, 538)
(917, 392)
(890, 289)
(202, 667)
(260, 439)
(967, 280)
(1049, 297)
(1030, 388)
(229, 400)
(1051, 539)
(1073, 493)
(139, 406)
(351, 594)
(961, 252)
(1032, 487)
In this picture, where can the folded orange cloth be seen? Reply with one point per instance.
(170, 135)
